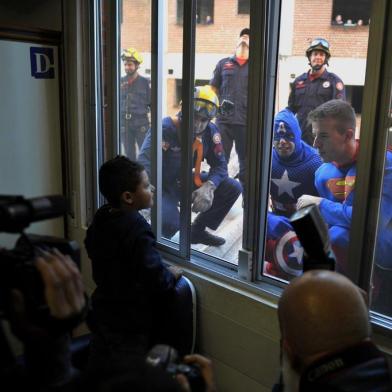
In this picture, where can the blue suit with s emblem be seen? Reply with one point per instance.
(227, 189)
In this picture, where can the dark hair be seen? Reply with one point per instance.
(245, 31)
(339, 110)
(119, 175)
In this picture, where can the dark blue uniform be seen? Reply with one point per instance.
(226, 192)
(307, 94)
(135, 100)
(231, 80)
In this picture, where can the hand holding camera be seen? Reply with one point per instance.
(193, 373)
(205, 366)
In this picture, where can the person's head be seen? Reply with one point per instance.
(243, 41)
(320, 313)
(333, 125)
(360, 22)
(125, 184)
(338, 19)
(287, 134)
(205, 108)
(132, 60)
(318, 54)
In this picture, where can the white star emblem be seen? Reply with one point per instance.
(298, 252)
(285, 185)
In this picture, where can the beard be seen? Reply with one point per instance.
(317, 67)
(290, 376)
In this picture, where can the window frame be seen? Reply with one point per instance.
(239, 12)
(262, 76)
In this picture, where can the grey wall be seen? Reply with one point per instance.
(36, 14)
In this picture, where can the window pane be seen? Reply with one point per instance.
(382, 264)
(135, 91)
(171, 126)
(135, 100)
(221, 60)
(323, 175)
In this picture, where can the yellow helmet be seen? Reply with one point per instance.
(131, 54)
(206, 102)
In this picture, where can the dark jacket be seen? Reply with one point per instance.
(133, 285)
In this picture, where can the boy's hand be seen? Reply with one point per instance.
(177, 272)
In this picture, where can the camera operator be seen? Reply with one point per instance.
(47, 364)
(155, 377)
(326, 340)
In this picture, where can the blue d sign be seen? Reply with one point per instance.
(42, 62)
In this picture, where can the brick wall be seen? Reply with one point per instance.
(312, 19)
(308, 24)
(219, 37)
(136, 26)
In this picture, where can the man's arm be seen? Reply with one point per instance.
(216, 156)
(216, 80)
(154, 274)
(291, 101)
(334, 213)
(144, 157)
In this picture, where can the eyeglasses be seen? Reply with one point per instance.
(320, 41)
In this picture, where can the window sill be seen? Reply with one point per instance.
(262, 292)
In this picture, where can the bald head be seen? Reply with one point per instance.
(321, 312)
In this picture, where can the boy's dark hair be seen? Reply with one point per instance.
(119, 175)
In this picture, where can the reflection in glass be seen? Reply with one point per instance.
(221, 60)
(135, 92)
(302, 172)
(382, 264)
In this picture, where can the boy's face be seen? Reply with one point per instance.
(143, 197)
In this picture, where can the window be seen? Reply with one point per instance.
(204, 11)
(255, 224)
(350, 13)
(243, 6)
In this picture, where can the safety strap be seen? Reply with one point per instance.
(196, 146)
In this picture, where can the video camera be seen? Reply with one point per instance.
(167, 358)
(17, 269)
(312, 232)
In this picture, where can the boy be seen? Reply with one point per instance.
(133, 286)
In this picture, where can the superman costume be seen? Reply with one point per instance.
(336, 185)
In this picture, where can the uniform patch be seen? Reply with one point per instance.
(165, 145)
(218, 149)
(217, 138)
(300, 84)
(326, 84)
(339, 86)
(228, 65)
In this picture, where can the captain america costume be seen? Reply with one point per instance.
(283, 251)
(293, 176)
(227, 189)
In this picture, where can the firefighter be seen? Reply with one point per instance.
(214, 192)
(135, 100)
(314, 87)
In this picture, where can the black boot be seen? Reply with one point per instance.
(204, 237)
